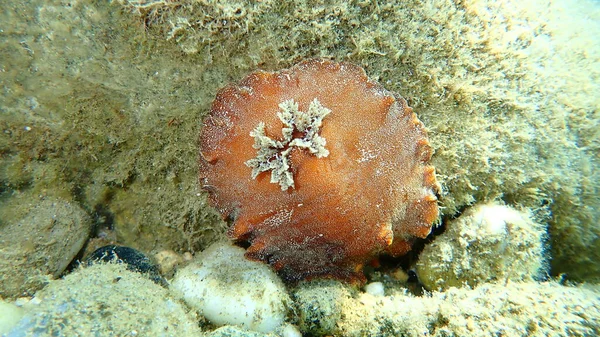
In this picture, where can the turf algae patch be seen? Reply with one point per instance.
(91, 112)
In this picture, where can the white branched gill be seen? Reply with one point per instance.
(273, 155)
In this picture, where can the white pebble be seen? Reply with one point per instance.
(229, 289)
(375, 289)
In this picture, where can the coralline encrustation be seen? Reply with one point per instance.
(319, 168)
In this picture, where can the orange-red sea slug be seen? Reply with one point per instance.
(319, 168)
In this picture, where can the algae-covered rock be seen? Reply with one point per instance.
(487, 243)
(38, 246)
(319, 305)
(111, 130)
(106, 300)
(511, 309)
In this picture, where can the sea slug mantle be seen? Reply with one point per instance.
(319, 168)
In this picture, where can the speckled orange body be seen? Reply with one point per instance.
(374, 192)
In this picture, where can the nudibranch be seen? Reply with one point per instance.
(319, 168)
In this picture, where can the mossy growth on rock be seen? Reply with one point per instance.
(487, 243)
(106, 299)
(511, 309)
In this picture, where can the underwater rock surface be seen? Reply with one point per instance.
(487, 243)
(105, 299)
(39, 246)
(508, 309)
(508, 92)
(102, 103)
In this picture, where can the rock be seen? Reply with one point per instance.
(135, 261)
(106, 300)
(40, 245)
(320, 305)
(500, 309)
(290, 330)
(375, 289)
(228, 289)
(487, 243)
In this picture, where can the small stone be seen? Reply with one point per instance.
(135, 260)
(375, 289)
(10, 314)
(320, 305)
(400, 275)
(290, 330)
(42, 244)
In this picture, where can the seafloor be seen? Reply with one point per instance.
(101, 105)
